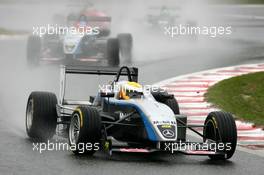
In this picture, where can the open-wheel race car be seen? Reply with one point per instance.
(85, 39)
(142, 119)
(160, 17)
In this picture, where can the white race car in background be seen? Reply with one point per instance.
(72, 48)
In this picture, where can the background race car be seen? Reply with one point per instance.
(159, 17)
(80, 46)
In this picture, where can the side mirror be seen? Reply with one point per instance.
(107, 94)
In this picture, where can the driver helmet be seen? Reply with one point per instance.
(164, 10)
(129, 90)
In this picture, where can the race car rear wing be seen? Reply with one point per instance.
(130, 72)
(100, 70)
(98, 18)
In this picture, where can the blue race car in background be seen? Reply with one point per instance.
(78, 47)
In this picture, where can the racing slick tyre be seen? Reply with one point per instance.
(164, 97)
(33, 50)
(41, 115)
(220, 127)
(85, 130)
(126, 44)
(173, 104)
(113, 52)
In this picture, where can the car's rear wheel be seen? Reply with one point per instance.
(33, 50)
(126, 44)
(85, 130)
(163, 96)
(220, 127)
(173, 104)
(113, 52)
(41, 115)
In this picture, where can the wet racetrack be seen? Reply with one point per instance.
(17, 81)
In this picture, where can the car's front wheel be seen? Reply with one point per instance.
(220, 128)
(41, 115)
(85, 130)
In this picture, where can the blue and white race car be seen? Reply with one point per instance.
(126, 117)
(85, 40)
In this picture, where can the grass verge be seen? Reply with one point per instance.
(4, 31)
(242, 95)
(238, 1)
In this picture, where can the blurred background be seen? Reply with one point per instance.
(157, 55)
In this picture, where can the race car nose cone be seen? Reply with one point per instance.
(167, 131)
